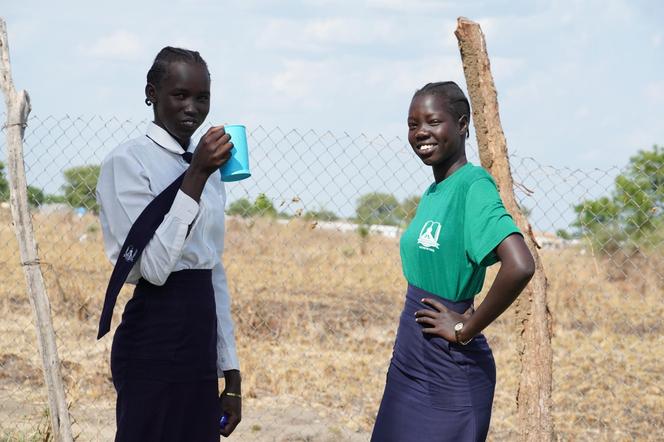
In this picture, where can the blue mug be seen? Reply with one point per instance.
(237, 166)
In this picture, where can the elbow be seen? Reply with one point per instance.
(153, 279)
(525, 269)
(155, 275)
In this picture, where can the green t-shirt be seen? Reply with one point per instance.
(452, 238)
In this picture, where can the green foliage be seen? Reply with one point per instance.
(408, 207)
(377, 208)
(80, 186)
(563, 234)
(35, 196)
(241, 207)
(54, 199)
(320, 215)
(635, 210)
(261, 207)
(4, 185)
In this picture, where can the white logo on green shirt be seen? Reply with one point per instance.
(429, 234)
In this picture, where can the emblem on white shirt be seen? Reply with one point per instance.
(429, 234)
(130, 254)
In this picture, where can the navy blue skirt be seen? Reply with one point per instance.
(163, 362)
(436, 391)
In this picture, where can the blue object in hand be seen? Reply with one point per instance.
(223, 421)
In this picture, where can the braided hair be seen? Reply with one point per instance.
(455, 100)
(169, 55)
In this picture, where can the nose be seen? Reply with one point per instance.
(190, 107)
(421, 134)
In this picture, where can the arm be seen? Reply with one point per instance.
(227, 360)
(517, 267)
(123, 191)
(515, 271)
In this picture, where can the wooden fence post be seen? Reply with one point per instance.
(534, 393)
(18, 108)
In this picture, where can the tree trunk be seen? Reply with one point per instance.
(534, 393)
(18, 108)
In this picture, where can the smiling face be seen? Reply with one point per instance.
(436, 136)
(181, 99)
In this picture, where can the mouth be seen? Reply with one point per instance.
(425, 149)
(189, 123)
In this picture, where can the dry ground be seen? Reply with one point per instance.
(315, 322)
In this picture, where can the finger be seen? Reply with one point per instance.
(213, 131)
(469, 311)
(233, 421)
(213, 134)
(427, 312)
(226, 156)
(221, 140)
(426, 321)
(435, 304)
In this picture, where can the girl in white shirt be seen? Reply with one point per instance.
(176, 335)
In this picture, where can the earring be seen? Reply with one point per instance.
(148, 102)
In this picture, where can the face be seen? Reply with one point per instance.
(182, 99)
(435, 135)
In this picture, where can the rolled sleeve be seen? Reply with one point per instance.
(184, 208)
(226, 350)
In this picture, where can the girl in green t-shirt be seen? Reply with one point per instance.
(442, 376)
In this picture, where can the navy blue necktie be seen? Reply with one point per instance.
(139, 236)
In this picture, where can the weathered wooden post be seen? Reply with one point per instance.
(18, 108)
(534, 393)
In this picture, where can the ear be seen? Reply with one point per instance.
(151, 92)
(463, 126)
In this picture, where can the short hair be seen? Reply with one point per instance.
(455, 100)
(169, 55)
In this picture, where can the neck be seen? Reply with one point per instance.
(448, 167)
(182, 142)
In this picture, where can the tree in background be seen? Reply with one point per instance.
(408, 207)
(4, 185)
(263, 206)
(241, 207)
(80, 186)
(634, 214)
(377, 208)
(320, 215)
(36, 196)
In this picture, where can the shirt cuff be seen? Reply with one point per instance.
(184, 208)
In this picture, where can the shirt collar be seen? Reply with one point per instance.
(162, 138)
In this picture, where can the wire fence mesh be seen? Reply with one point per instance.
(314, 273)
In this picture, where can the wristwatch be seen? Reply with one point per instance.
(457, 328)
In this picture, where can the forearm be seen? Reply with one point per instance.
(194, 182)
(509, 283)
(232, 381)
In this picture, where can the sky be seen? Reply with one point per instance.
(580, 83)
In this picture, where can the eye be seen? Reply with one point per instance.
(203, 99)
(435, 122)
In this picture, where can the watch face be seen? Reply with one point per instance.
(458, 326)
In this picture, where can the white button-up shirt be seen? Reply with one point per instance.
(132, 175)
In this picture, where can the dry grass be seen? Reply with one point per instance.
(315, 323)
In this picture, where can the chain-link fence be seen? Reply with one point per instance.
(314, 272)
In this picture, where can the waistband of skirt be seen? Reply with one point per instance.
(201, 275)
(416, 294)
